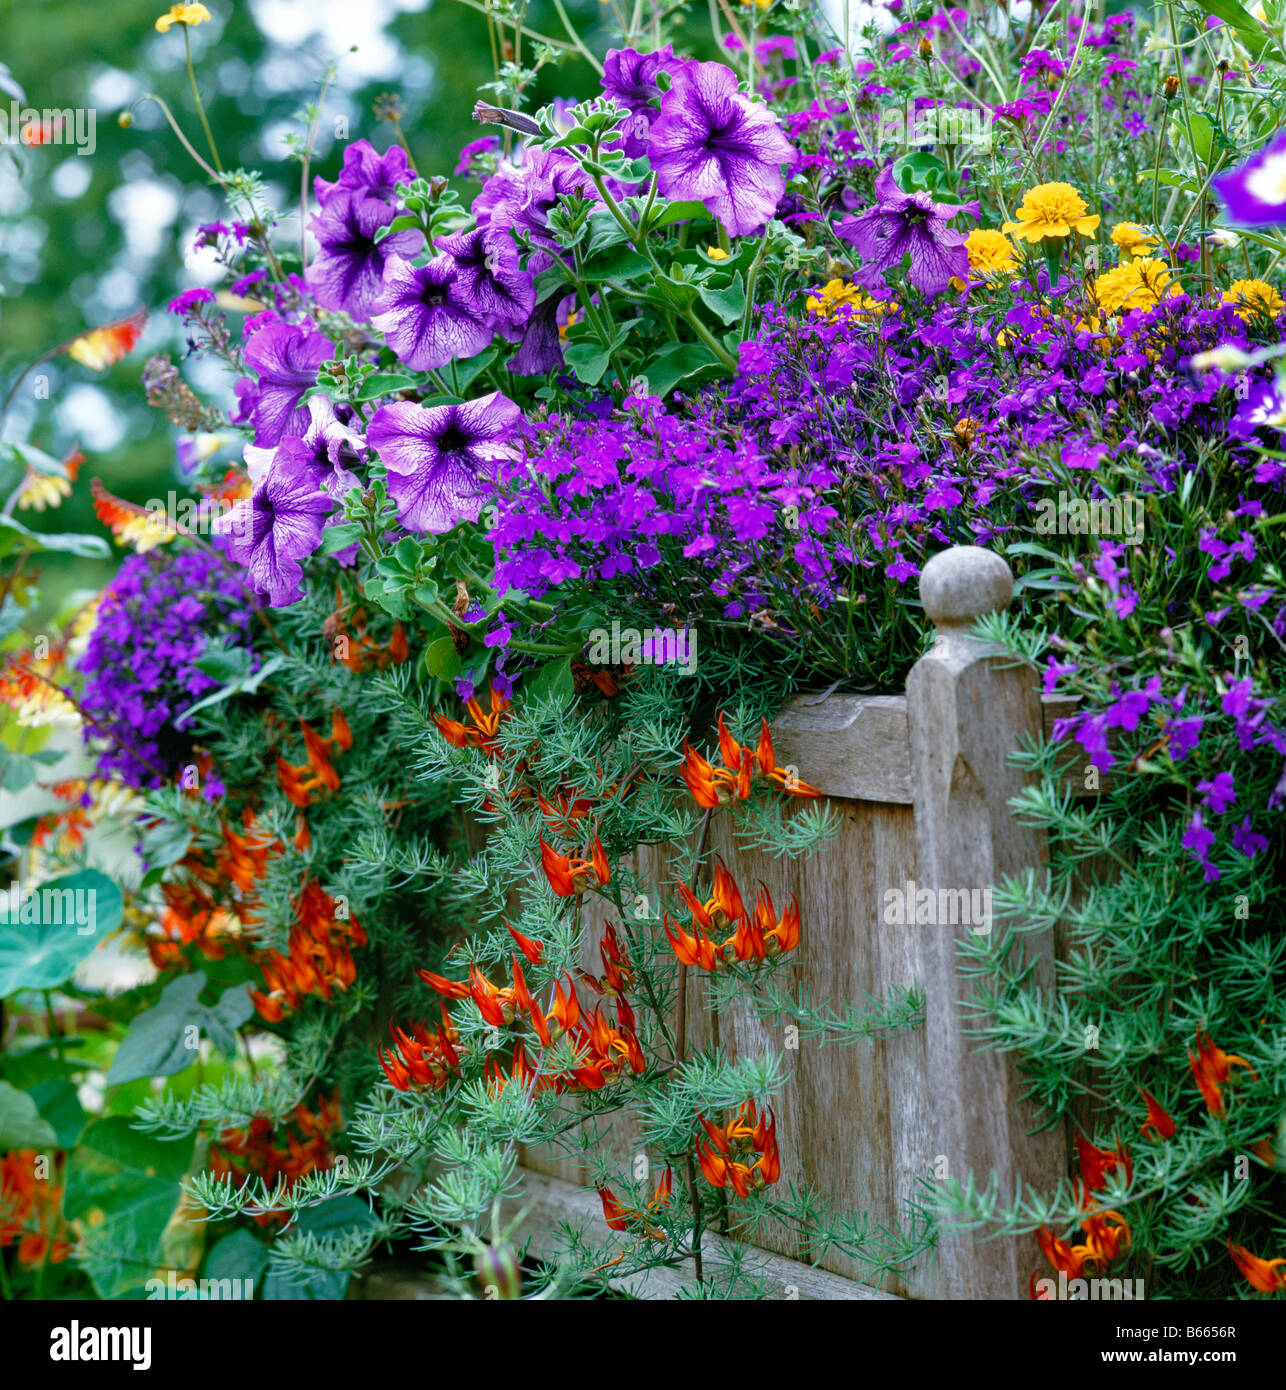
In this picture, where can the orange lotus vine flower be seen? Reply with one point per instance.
(30, 1211)
(725, 1152)
(421, 1060)
(621, 1218)
(1211, 1070)
(758, 936)
(481, 730)
(1097, 1164)
(302, 781)
(569, 876)
(1265, 1276)
(1159, 1122)
(712, 787)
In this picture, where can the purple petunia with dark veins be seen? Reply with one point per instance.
(520, 196)
(367, 171)
(630, 78)
(712, 144)
(332, 450)
(348, 273)
(426, 314)
(285, 358)
(441, 459)
(279, 525)
(907, 223)
(486, 260)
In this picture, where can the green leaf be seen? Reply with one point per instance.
(243, 685)
(15, 536)
(165, 1039)
(340, 537)
(616, 263)
(922, 172)
(124, 1187)
(441, 660)
(237, 1256)
(727, 302)
(1233, 13)
(21, 1124)
(59, 1104)
(680, 212)
(552, 682)
(677, 363)
(1171, 179)
(589, 361)
(41, 950)
(384, 384)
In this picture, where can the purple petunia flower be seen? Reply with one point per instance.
(520, 196)
(279, 525)
(331, 449)
(1255, 194)
(486, 261)
(714, 145)
(908, 223)
(441, 458)
(426, 315)
(349, 272)
(285, 358)
(367, 171)
(630, 78)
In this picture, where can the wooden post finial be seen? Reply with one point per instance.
(960, 585)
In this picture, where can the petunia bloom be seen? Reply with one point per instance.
(285, 358)
(440, 458)
(1255, 193)
(278, 526)
(902, 224)
(712, 144)
(349, 272)
(630, 78)
(486, 260)
(367, 171)
(426, 314)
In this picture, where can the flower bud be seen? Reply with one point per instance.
(498, 1272)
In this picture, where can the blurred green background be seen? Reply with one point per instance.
(85, 239)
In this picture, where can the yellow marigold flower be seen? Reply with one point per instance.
(1138, 284)
(991, 253)
(182, 14)
(716, 253)
(1131, 238)
(1051, 210)
(1253, 298)
(835, 293)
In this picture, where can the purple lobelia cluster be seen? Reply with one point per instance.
(153, 624)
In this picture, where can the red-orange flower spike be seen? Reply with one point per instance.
(1158, 1121)
(1097, 1163)
(449, 989)
(533, 950)
(103, 347)
(1266, 1276)
(570, 876)
(1211, 1069)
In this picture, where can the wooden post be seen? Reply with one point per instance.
(966, 711)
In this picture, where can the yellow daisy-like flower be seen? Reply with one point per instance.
(1131, 238)
(836, 293)
(1051, 210)
(1138, 284)
(182, 14)
(1253, 298)
(991, 253)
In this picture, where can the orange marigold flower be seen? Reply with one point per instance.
(1211, 1069)
(1266, 1276)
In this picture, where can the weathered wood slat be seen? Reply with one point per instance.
(548, 1202)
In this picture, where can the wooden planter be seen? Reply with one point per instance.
(922, 781)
